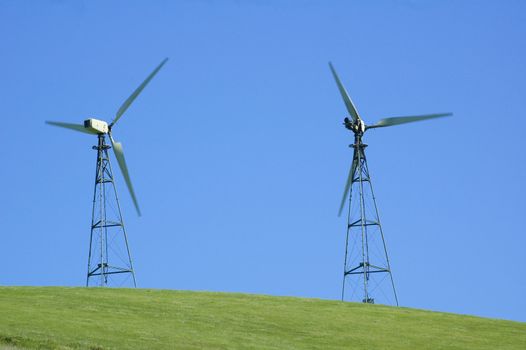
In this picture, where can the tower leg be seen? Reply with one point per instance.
(109, 258)
(367, 271)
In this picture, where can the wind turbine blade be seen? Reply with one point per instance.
(348, 185)
(76, 127)
(346, 98)
(119, 154)
(136, 93)
(403, 120)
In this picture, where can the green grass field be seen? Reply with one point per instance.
(80, 318)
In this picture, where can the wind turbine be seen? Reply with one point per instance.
(366, 263)
(109, 253)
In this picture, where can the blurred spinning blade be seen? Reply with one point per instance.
(71, 126)
(119, 154)
(136, 93)
(346, 98)
(348, 184)
(403, 120)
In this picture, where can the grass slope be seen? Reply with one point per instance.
(80, 318)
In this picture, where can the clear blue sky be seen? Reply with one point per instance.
(237, 151)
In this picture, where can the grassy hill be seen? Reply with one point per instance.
(80, 318)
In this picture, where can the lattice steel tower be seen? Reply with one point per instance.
(367, 275)
(109, 252)
(366, 261)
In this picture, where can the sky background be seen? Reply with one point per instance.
(237, 151)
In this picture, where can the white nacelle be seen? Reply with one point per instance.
(95, 125)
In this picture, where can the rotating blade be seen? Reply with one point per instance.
(76, 127)
(119, 154)
(136, 93)
(403, 120)
(348, 185)
(346, 98)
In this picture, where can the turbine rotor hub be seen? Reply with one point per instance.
(356, 126)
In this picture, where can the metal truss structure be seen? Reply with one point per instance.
(109, 259)
(366, 267)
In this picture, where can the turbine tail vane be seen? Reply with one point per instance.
(136, 93)
(409, 119)
(346, 98)
(119, 154)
